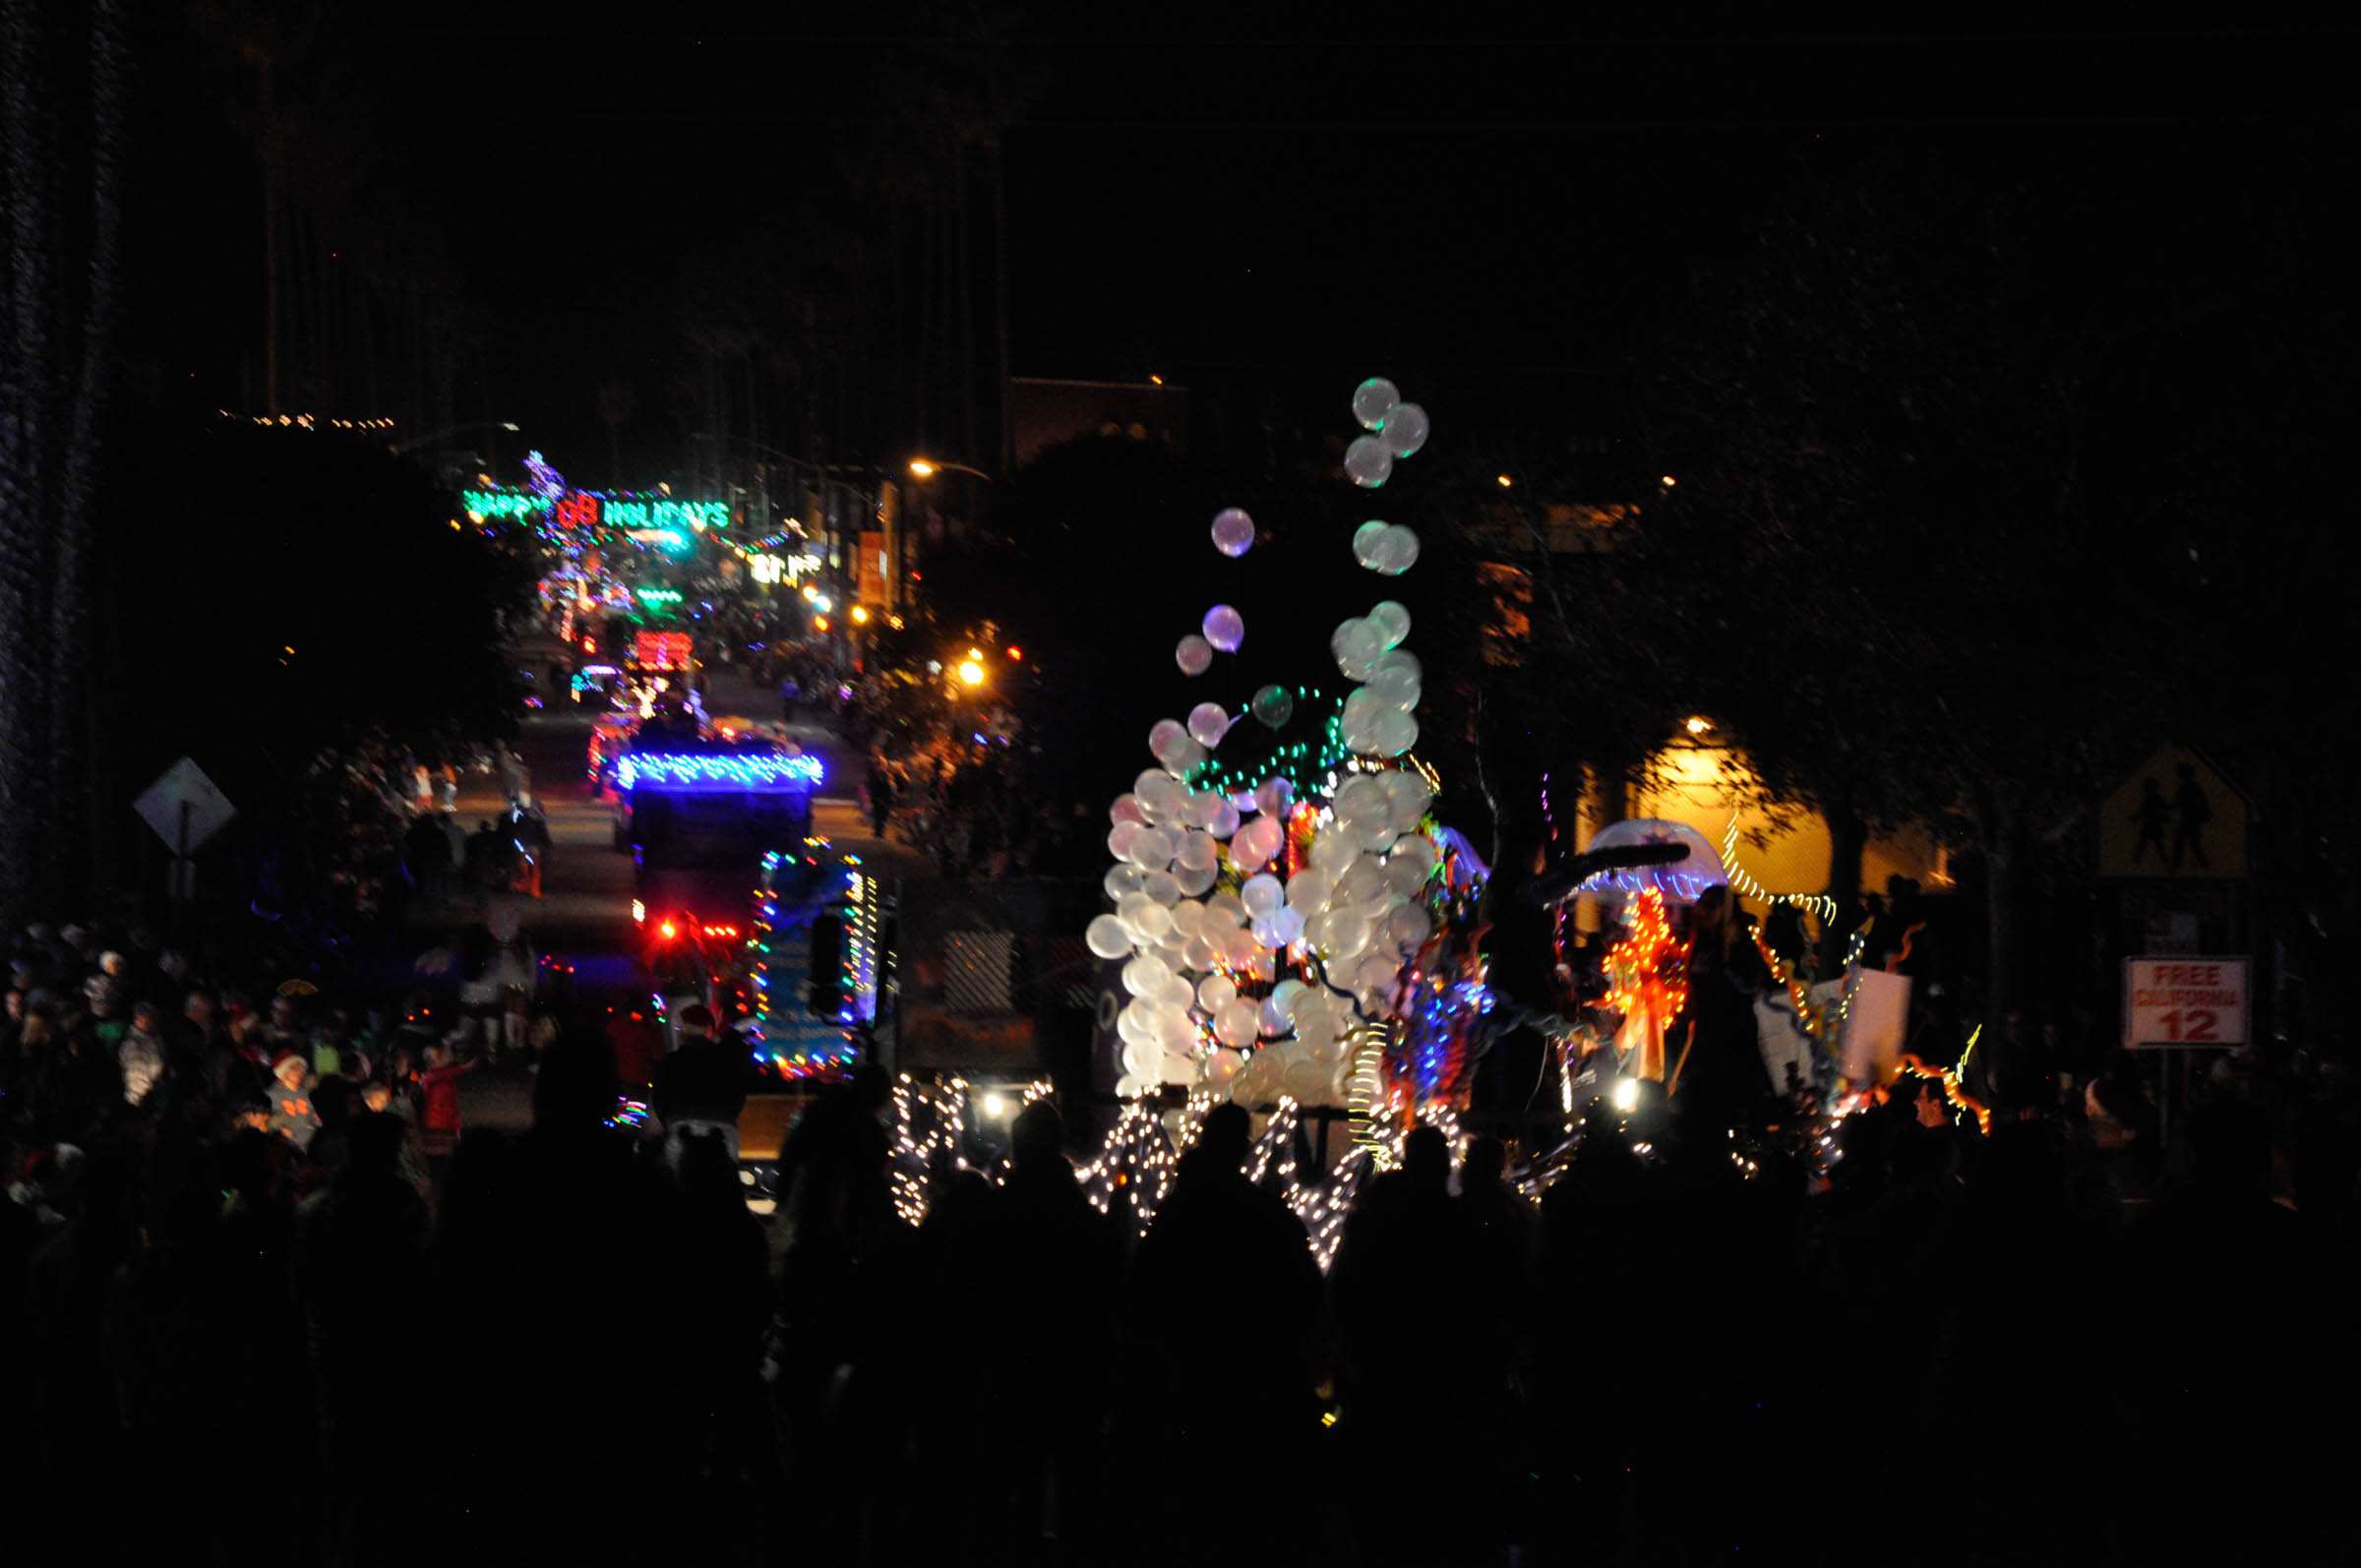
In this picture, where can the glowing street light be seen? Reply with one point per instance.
(928, 467)
(860, 615)
(971, 672)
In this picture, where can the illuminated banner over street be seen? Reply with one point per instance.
(588, 509)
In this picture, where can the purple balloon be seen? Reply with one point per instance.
(1225, 627)
(1233, 533)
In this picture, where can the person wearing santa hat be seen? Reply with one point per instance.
(292, 1114)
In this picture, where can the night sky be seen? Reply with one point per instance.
(1496, 214)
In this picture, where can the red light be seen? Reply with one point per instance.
(589, 644)
(668, 930)
(1016, 655)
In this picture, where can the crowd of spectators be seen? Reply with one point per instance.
(255, 1275)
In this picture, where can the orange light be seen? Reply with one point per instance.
(1505, 481)
(1016, 655)
(589, 644)
(1155, 380)
(971, 673)
(860, 615)
(819, 622)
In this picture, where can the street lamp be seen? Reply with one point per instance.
(928, 467)
(453, 430)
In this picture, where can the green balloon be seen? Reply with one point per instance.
(1274, 705)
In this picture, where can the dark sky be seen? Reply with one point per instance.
(1209, 191)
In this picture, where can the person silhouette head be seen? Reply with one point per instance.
(1427, 1159)
(1223, 1137)
(1038, 1135)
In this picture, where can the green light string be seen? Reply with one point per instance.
(1302, 763)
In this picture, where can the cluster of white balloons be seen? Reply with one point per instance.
(1201, 968)
(1396, 430)
(1354, 907)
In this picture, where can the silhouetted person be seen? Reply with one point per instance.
(1064, 1265)
(1410, 1256)
(360, 1251)
(708, 1355)
(1225, 1383)
(554, 1281)
(706, 1082)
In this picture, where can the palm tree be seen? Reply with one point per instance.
(62, 66)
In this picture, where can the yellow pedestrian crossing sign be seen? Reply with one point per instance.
(2173, 818)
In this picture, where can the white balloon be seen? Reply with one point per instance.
(1271, 1018)
(1407, 928)
(1287, 926)
(1235, 1024)
(1122, 880)
(1121, 838)
(1357, 645)
(1397, 732)
(1405, 879)
(1196, 850)
(1401, 550)
(1224, 820)
(1108, 937)
(1306, 1081)
(1373, 401)
(1393, 687)
(1370, 543)
(1363, 881)
(1193, 655)
(1143, 1059)
(1216, 991)
(1274, 796)
(1159, 885)
(1159, 796)
(1180, 1066)
(1359, 799)
(1165, 736)
(1199, 953)
(1195, 880)
(1126, 810)
(1254, 844)
(1404, 430)
(1221, 1069)
(1144, 976)
(1415, 848)
(1366, 462)
(1241, 951)
(1333, 849)
(1224, 912)
(1207, 724)
(1261, 895)
(1392, 621)
(1130, 1086)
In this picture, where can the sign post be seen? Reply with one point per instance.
(2172, 1002)
(185, 808)
(2177, 1003)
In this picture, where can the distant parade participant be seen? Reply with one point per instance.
(293, 1116)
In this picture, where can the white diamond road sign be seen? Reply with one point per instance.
(184, 785)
